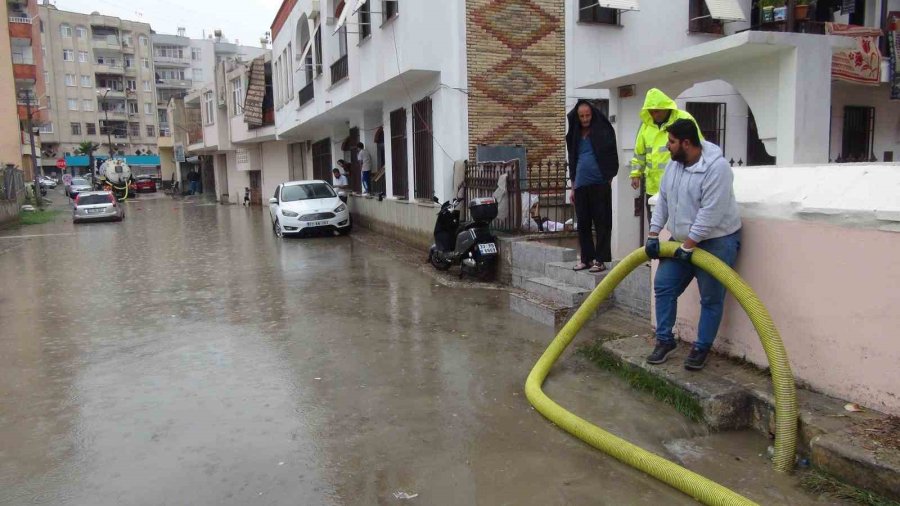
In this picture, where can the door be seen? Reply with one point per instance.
(296, 168)
(255, 187)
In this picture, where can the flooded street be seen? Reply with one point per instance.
(187, 356)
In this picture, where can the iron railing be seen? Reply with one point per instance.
(339, 69)
(12, 183)
(307, 93)
(534, 201)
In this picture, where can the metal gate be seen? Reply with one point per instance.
(399, 165)
(321, 155)
(423, 149)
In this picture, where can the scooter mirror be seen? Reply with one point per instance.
(435, 199)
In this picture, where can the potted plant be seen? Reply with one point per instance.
(766, 10)
(780, 11)
(801, 9)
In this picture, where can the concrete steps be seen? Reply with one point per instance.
(552, 290)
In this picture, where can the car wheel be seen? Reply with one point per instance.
(276, 227)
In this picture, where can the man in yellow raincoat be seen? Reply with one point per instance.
(650, 152)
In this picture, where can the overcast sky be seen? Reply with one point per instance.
(245, 20)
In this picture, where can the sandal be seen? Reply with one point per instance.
(598, 267)
(580, 266)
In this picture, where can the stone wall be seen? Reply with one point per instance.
(516, 75)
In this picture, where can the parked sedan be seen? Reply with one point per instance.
(144, 184)
(78, 185)
(97, 206)
(300, 207)
(47, 182)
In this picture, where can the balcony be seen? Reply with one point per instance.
(22, 59)
(109, 68)
(111, 42)
(195, 135)
(24, 72)
(307, 93)
(20, 27)
(180, 84)
(113, 113)
(171, 61)
(339, 70)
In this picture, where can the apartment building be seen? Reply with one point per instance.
(101, 87)
(181, 64)
(27, 73)
(10, 145)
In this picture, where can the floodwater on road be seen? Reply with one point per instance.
(187, 356)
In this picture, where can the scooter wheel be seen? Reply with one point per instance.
(439, 264)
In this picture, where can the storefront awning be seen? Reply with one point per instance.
(726, 10)
(358, 6)
(133, 160)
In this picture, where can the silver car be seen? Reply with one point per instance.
(79, 184)
(97, 206)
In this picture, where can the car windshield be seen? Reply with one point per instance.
(79, 182)
(92, 200)
(306, 192)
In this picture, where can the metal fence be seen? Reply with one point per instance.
(536, 201)
(12, 183)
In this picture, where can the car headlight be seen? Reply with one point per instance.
(341, 208)
(290, 214)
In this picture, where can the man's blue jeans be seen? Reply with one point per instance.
(674, 276)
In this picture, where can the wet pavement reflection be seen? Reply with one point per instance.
(187, 356)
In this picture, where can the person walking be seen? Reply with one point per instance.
(593, 163)
(650, 153)
(697, 205)
(365, 162)
(193, 182)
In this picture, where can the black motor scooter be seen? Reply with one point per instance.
(470, 244)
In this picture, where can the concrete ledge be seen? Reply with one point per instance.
(735, 396)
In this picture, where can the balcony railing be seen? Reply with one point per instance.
(20, 19)
(165, 131)
(172, 60)
(307, 93)
(22, 59)
(339, 69)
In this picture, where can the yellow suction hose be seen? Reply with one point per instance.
(696, 486)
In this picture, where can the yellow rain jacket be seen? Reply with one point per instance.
(650, 152)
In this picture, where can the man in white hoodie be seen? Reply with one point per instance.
(697, 205)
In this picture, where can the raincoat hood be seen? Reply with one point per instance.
(656, 99)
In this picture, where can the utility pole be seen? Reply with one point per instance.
(106, 115)
(34, 170)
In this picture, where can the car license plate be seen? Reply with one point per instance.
(316, 223)
(94, 211)
(487, 248)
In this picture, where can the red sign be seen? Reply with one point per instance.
(61, 163)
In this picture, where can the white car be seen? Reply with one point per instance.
(300, 207)
(97, 206)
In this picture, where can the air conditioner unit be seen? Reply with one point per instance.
(314, 9)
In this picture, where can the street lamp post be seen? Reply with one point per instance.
(34, 171)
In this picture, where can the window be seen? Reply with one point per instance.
(196, 53)
(46, 128)
(700, 20)
(73, 104)
(290, 73)
(209, 105)
(70, 79)
(132, 108)
(389, 9)
(398, 154)
(321, 157)
(68, 55)
(87, 105)
(423, 149)
(146, 85)
(277, 79)
(80, 32)
(82, 56)
(237, 95)
(129, 62)
(65, 31)
(365, 21)
(858, 138)
(710, 118)
(590, 12)
(131, 84)
(148, 108)
(91, 128)
(134, 129)
(145, 63)
(76, 128)
(197, 75)
(127, 40)
(143, 40)
(151, 131)
(317, 43)
(47, 77)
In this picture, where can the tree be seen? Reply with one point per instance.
(88, 148)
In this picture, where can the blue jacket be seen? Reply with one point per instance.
(698, 202)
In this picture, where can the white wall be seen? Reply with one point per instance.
(274, 167)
